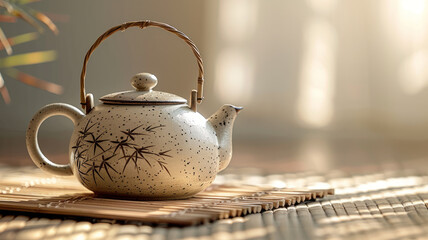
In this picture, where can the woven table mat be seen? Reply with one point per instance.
(377, 205)
(34, 191)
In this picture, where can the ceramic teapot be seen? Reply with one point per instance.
(142, 143)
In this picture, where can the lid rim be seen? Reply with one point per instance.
(142, 98)
(117, 102)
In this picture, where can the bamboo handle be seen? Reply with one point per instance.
(142, 24)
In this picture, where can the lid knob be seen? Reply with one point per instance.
(144, 81)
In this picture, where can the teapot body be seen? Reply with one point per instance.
(144, 151)
(142, 144)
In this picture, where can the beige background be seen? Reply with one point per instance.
(325, 76)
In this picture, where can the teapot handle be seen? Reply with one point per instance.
(85, 99)
(33, 145)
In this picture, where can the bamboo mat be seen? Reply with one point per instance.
(34, 191)
(373, 205)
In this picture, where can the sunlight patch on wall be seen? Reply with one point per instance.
(317, 74)
(413, 7)
(234, 76)
(237, 19)
(412, 19)
(407, 24)
(412, 30)
(234, 73)
(413, 73)
(406, 20)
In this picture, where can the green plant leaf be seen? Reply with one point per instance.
(23, 38)
(3, 91)
(5, 42)
(33, 81)
(7, 18)
(17, 11)
(45, 20)
(22, 2)
(28, 59)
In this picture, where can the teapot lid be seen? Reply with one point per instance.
(143, 93)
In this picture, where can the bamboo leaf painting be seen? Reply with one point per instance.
(100, 158)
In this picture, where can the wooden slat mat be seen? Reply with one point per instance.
(30, 190)
(379, 202)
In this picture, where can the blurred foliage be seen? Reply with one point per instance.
(11, 11)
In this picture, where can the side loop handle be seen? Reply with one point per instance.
(33, 145)
(141, 24)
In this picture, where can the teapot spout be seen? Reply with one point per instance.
(222, 122)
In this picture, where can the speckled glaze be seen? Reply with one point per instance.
(145, 150)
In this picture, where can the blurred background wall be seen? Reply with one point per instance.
(313, 74)
(347, 67)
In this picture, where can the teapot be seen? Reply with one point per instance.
(142, 144)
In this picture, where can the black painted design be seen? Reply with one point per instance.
(95, 141)
(106, 165)
(95, 153)
(131, 133)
